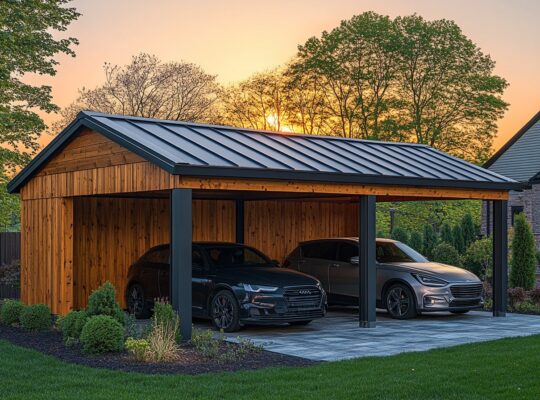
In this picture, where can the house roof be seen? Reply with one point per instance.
(512, 140)
(183, 148)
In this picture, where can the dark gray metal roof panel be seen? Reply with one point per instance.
(210, 150)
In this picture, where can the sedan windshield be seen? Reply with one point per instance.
(393, 252)
(236, 256)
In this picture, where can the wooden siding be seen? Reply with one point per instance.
(47, 253)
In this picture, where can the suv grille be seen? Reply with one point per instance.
(301, 298)
(466, 291)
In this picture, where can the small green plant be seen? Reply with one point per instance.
(163, 337)
(73, 323)
(36, 317)
(204, 343)
(527, 307)
(523, 258)
(102, 334)
(102, 301)
(138, 348)
(445, 253)
(11, 312)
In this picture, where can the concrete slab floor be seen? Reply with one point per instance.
(338, 337)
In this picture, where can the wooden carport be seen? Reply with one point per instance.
(109, 187)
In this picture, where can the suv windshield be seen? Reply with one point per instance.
(391, 252)
(235, 256)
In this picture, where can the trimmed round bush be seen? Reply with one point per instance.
(11, 312)
(102, 334)
(36, 317)
(102, 301)
(73, 323)
(446, 253)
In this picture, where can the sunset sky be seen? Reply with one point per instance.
(234, 39)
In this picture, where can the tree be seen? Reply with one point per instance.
(28, 43)
(445, 253)
(430, 240)
(468, 230)
(451, 97)
(148, 87)
(416, 241)
(479, 258)
(523, 261)
(446, 233)
(457, 239)
(401, 235)
(356, 64)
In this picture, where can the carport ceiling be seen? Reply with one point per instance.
(201, 150)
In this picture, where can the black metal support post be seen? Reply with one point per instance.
(240, 221)
(366, 261)
(181, 243)
(500, 257)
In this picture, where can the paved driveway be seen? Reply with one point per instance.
(337, 336)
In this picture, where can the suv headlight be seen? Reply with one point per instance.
(259, 288)
(430, 280)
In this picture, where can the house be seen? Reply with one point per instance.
(519, 159)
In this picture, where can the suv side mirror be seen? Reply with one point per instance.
(354, 260)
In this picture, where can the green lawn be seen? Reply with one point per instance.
(503, 369)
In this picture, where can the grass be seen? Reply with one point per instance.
(502, 369)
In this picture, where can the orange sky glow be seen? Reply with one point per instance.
(236, 38)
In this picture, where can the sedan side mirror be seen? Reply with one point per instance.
(354, 260)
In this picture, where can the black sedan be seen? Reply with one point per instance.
(233, 285)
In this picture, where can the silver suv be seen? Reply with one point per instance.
(407, 283)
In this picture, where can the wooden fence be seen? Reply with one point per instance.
(10, 247)
(9, 292)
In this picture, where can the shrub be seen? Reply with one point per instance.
(138, 348)
(36, 317)
(527, 307)
(479, 258)
(468, 230)
(457, 239)
(73, 324)
(516, 295)
(102, 301)
(446, 234)
(416, 241)
(11, 312)
(535, 295)
(204, 343)
(102, 334)
(429, 241)
(401, 235)
(445, 253)
(164, 335)
(523, 260)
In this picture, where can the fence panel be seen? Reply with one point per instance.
(10, 247)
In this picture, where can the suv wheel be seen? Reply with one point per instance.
(225, 312)
(136, 302)
(399, 301)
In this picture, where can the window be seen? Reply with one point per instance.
(197, 260)
(158, 255)
(236, 256)
(347, 251)
(321, 250)
(515, 210)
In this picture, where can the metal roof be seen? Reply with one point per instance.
(183, 148)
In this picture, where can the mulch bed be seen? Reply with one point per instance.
(190, 362)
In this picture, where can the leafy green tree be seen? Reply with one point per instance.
(400, 235)
(28, 43)
(446, 253)
(451, 98)
(446, 233)
(523, 262)
(479, 258)
(457, 239)
(429, 242)
(416, 241)
(468, 230)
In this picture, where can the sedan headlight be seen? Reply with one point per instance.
(259, 288)
(430, 280)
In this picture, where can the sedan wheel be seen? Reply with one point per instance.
(225, 312)
(400, 302)
(136, 302)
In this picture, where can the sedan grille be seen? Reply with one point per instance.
(466, 291)
(301, 298)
